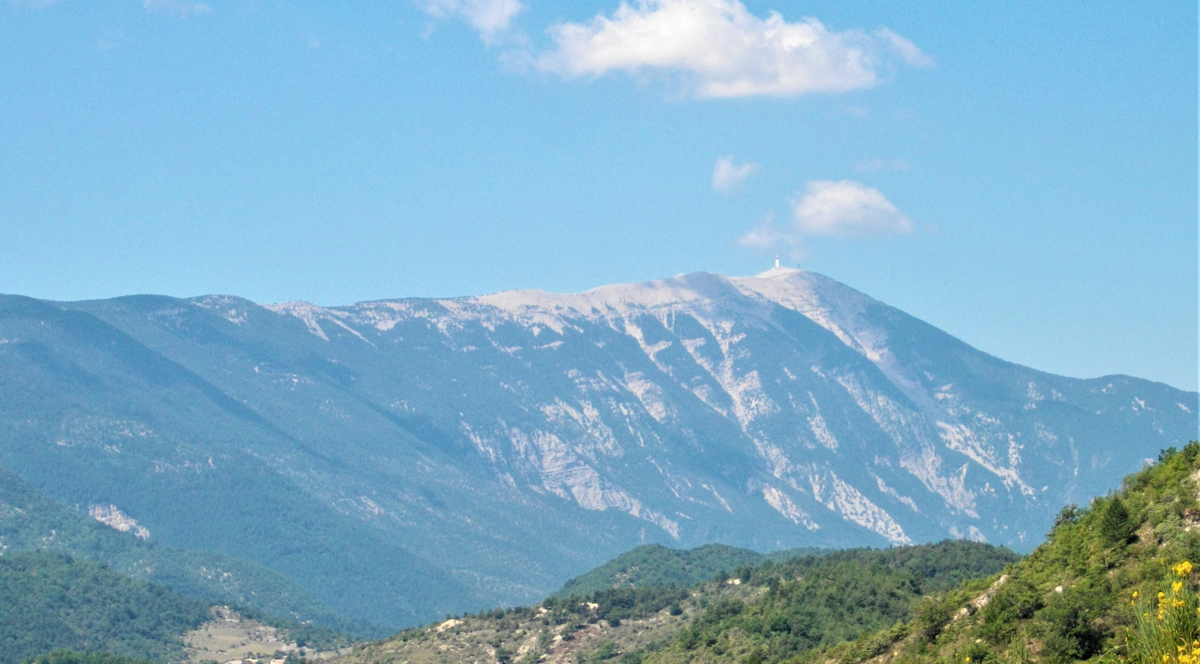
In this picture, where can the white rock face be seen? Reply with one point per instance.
(112, 517)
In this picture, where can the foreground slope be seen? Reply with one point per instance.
(1117, 580)
(408, 458)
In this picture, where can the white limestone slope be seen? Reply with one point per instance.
(603, 385)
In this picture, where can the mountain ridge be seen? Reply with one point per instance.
(504, 443)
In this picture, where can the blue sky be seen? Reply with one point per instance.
(1024, 176)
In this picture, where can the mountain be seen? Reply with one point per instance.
(405, 459)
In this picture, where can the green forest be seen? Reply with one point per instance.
(50, 601)
(30, 520)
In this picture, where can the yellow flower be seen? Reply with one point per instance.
(1177, 586)
(1182, 569)
(1161, 594)
(968, 660)
(1135, 594)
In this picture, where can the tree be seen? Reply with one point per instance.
(1116, 526)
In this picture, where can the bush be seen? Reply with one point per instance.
(1070, 633)
(932, 616)
(1016, 600)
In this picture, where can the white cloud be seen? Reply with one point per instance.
(846, 209)
(719, 49)
(487, 17)
(877, 164)
(728, 178)
(180, 8)
(843, 209)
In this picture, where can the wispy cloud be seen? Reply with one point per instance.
(180, 8)
(717, 48)
(766, 236)
(877, 165)
(488, 17)
(728, 177)
(907, 50)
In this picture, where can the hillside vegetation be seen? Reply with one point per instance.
(657, 565)
(32, 521)
(51, 601)
(1115, 581)
(823, 598)
(67, 609)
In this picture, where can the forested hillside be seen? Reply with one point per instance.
(32, 521)
(67, 609)
(50, 601)
(824, 598)
(657, 565)
(1116, 580)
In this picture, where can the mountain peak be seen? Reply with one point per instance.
(778, 272)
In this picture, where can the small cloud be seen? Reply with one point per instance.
(717, 48)
(877, 165)
(727, 178)
(488, 17)
(846, 209)
(767, 237)
(180, 8)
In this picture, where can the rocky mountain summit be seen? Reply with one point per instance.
(407, 458)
